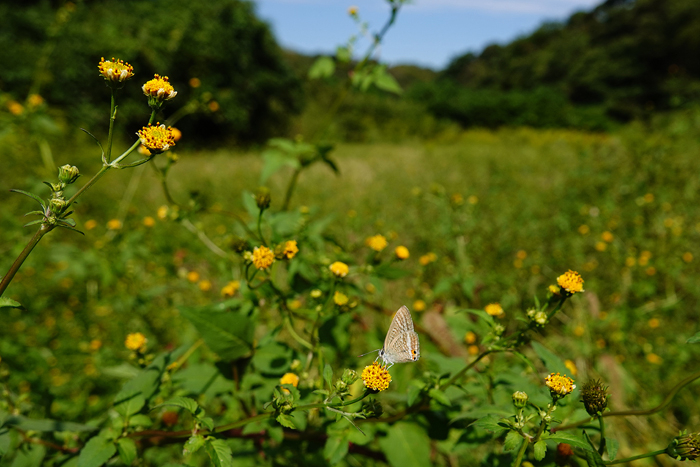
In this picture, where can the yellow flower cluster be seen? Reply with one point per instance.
(290, 378)
(377, 242)
(230, 289)
(263, 257)
(376, 377)
(159, 88)
(571, 282)
(339, 269)
(559, 385)
(494, 309)
(402, 252)
(136, 341)
(157, 138)
(427, 259)
(340, 299)
(290, 249)
(117, 71)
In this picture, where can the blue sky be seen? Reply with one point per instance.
(427, 32)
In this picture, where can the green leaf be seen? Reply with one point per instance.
(413, 393)
(387, 271)
(384, 81)
(126, 447)
(439, 396)
(323, 67)
(612, 446)
(551, 362)
(513, 441)
(569, 438)
(406, 445)
(286, 421)
(695, 339)
(328, 375)
(206, 422)
(342, 54)
(184, 402)
(274, 161)
(219, 452)
(140, 420)
(274, 358)
(31, 456)
(593, 458)
(8, 302)
(192, 445)
(229, 334)
(135, 393)
(32, 196)
(540, 450)
(5, 440)
(490, 423)
(38, 221)
(335, 449)
(96, 452)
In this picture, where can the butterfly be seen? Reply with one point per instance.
(401, 343)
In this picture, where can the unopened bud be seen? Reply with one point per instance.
(57, 204)
(520, 399)
(595, 397)
(262, 198)
(68, 174)
(685, 447)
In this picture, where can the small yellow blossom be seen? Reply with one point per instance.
(339, 269)
(649, 197)
(654, 323)
(290, 378)
(521, 254)
(295, 304)
(193, 276)
(687, 257)
(553, 289)
(376, 377)
(15, 108)
(159, 88)
(195, 82)
(377, 242)
(213, 106)
(157, 138)
(340, 299)
(91, 224)
(571, 366)
(230, 289)
(114, 224)
(290, 249)
(653, 358)
(584, 229)
(470, 337)
(316, 293)
(162, 212)
(601, 246)
(419, 305)
(457, 199)
(116, 71)
(148, 221)
(35, 100)
(136, 341)
(651, 270)
(571, 282)
(177, 134)
(473, 349)
(263, 257)
(95, 345)
(607, 236)
(579, 330)
(630, 261)
(427, 259)
(401, 252)
(205, 285)
(559, 385)
(494, 309)
(352, 11)
(473, 199)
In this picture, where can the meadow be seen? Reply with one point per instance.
(488, 216)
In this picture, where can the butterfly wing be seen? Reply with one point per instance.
(401, 323)
(401, 344)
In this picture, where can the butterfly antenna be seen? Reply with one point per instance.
(371, 351)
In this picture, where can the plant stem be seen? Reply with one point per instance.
(601, 449)
(521, 453)
(641, 456)
(461, 373)
(290, 188)
(112, 118)
(43, 230)
(262, 239)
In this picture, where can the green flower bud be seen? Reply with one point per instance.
(594, 395)
(68, 174)
(239, 245)
(262, 198)
(349, 376)
(372, 409)
(57, 204)
(685, 447)
(520, 399)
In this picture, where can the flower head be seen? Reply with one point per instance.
(340, 299)
(230, 289)
(114, 224)
(352, 11)
(290, 378)
(595, 397)
(263, 257)
(136, 341)
(115, 71)
(377, 242)
(158, 90)
(148, 221)
(685, 447)
(427, 259)
(559, 385)
(339, 269)
(157, 138)
(401, 252)
(376, 377)
(68, 174)
(571, 282)
(494, 309)
(520, 399)
(290, 249)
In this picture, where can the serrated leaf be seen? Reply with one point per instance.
(540, 450)
(612, 446)
(695, 339)
(286, 421)
(335, 449)
(513, 441)
(183, 402)
(328, 375)
(490, 423)
(8, 302)
(439, 396)
(569, 438)
(192, 445)
(219, 452)
(32, 196)
(96, 452)
(323, 67)
(126, 447)
(207, 422)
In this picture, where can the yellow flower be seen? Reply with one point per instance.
(470, 337)
(116, 71)
(352, 11)
(607, 236)
(473, 349)
(419, 305)
(654, 323)
(559, 385)
(136, 341)
(571, 366)
(177, 134)
(35, 100)
(553, 289)
(653, 358)
(15, 108)
(571, 282)
(195, 82)
(600, 246)
(457, 199)
(401, 252)
(95, 345)
(162, 212)
(263, 257)
(230, 289)
(315, 293)
(376, 377)
(687, 257)
(213, 106)
(157, 138)
(290, 378)
(377, 242)
(148, 221)
(114, 224)
(339, 269)
(91, 224)
(427, 259)
(159, 88)
(205, 285)
(494, 309)
(473, 199)
(193, 276)
(340, 299)
(584, 229)
(290, 249)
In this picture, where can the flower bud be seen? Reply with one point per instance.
(68, 174)
(239, 245)
(262, 198)
(372, 409)
(685, 447)
(57, 205)
(520, 399)
(349, 376)
(595, 397)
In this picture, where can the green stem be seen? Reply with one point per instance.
(601, 449)
(262, 239)
(297, 337)
(641, 456)
(43, 230)
(91, 182)
(461, 373)
(290, 188)
(112, 118)
(521, 453)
